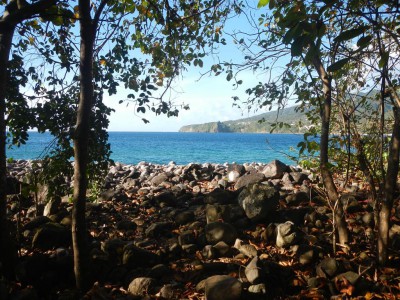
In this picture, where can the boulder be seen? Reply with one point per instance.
(158, 228)
(246, 249)
(190, 248)
(287, 234)
(158, 179)
(36, 222)
(352, 282)
(349, 277)
(142, 286)
(249, 179)
(107, 195)
(168, 292)
(209, 252)
(126, 225)
(130, 183)
(134, 257)
(51, 235)
(52, 206)
(217, 212)
(158, 271)
(184, 217)
(307, 254)
(254, 271)
(114, 249)
(187, 237)
(234, 171)
(222, 287)
(298, 177)
(286, 179)
(258, 201)
(327, 268)
(275, 169)
(167, 198)
(297, 198)
(258, 289)
(222, 248)
(295, 215)
(219, 196)
(218, 231)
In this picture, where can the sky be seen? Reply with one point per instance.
(209, 97)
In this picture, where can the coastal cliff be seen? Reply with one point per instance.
(212, 127)
(290, 121)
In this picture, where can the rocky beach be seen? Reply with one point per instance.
(200, 231)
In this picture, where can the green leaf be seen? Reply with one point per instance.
(297, 46)
(262, 3)
(364, 41)
(384, 59)
(291, 33)
(350, 34)
(338, 65)
(271, 4)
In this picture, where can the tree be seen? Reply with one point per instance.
(172, 34)
(318, 45)
(14, 13)
(296, 29)
(179, 26)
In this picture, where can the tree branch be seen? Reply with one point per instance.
(12, 17)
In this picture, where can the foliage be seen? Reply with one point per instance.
(337, 60)
(267, 122)
(126, 44)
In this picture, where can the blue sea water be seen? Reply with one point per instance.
(183, 148)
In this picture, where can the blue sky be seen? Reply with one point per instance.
(209, 97)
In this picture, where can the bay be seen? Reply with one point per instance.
(182, 148)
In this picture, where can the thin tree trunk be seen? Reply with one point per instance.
(389, 189)
(15, 12)
(365, 165)
(79, 231)
(8, 252)
(333, 196)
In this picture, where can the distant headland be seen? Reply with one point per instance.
(261, 123)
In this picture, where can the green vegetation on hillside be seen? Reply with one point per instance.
(287, 120)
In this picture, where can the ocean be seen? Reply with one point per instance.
(182, 148)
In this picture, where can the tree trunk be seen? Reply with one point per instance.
(390, 186)
(12, 15)
(333, 196)
(79, 231)
(8, 252)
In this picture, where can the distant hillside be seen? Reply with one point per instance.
(297, 120)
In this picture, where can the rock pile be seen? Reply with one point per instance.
(227, 231)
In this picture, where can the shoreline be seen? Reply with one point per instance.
(187, 177)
